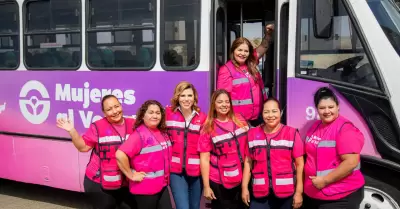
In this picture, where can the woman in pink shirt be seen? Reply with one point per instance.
(107, 133)
(274, 162)
(145, 158)
(332, 171)
(222, 142)
(241, 78)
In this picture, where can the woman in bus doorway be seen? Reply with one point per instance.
(104, 183)
(332, 171)
(145, 158)
(275, 158)
(222, 143)
(241, 78)
(184, 120)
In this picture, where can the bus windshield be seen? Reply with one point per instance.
(387, 14)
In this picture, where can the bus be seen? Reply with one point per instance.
(58, 58)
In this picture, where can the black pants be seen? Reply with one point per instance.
(107, 199)
(271, 202)
(161, 200)
(226, 198)
(352, 201)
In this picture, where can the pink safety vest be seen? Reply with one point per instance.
(244, 92)
(273, 164)
(327, 160)
(184, 139)
(153, 159)
(109, 140)
(226, 155)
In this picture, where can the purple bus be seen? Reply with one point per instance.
(58, 58)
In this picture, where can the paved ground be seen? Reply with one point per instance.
(15, 195)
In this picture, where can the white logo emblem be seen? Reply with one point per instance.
(34, 102)
(2, 107)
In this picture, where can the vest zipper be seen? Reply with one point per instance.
(269, 165)
(185, 133)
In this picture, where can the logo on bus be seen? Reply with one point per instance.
(35, 104)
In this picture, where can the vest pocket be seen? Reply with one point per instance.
(230, 173)
(111, 176)
(284, 183)
(193, 165)
(176, 161)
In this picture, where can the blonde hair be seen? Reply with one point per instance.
(182, 86)
(212, 114)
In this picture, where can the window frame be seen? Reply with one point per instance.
(27, 33)
(88, 30)
(361, 37)
(162, 41)
(18, 34)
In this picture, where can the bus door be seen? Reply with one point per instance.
(280, 46)
(233, 19)
(219, 39)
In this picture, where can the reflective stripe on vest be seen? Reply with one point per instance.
(182, 125)
(240, 81)
(152, 175)
(273, 143)
(242, 102)
(231, 173)
(278, 181)
(226, 136)
(331, 144)
(154, 148)
(107, 139)
(112, 178)
(191, 161)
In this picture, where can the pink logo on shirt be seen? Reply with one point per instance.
(313, 139)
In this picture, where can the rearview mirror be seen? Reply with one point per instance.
(323, 18)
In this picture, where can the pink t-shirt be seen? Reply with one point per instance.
(298, 146)
(206, 145)
(349, 141)
(91, 140)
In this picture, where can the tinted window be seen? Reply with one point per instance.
(388, 16)
(180, 34)
(53, 38)
(9, 39)
(121, 34)
(340, 58)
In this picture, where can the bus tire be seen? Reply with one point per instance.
(378, 194)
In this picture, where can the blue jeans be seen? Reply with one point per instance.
(186, 191)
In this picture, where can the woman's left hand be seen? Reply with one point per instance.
(297, 200)
(318, 181)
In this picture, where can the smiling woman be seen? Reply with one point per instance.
(103, 181)
(145, 158)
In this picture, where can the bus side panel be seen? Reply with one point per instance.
(302, 113)
(7, 157)
(45, 162)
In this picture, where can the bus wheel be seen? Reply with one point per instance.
(379, 195)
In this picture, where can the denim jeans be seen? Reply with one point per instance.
(186, 191)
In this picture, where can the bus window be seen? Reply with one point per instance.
(52, 34)
(121, 34)
(180, 34)
(388, 18)
(342, 58)
(9, 39)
